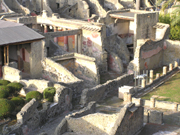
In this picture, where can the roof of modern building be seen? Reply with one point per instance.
(14, 33)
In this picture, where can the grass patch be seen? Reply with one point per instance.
(170, 90)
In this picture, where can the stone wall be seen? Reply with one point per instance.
(144, 23)
(15, 6)
(11, 74)
(99, 123)
(130, 115)
(31, 117)
(63, 127)
(112, 4)
(96, 7)
(149, 53)
(80, 10)
(172, 53)
(101, 91)
(55, 72)
(83, 67)
(161, 104)
(116, 45)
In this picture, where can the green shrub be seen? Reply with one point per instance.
(33, 94)
(6, 107)
(4, 82)
(4, 93)
(15, 86)
(174, 30)
(8, 89)
(17, 101)
(49, 93)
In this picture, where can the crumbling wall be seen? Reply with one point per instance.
(81, 66)
(46, 6)
(34, 118)
(63, 127)
(112, 4)
(11, 74)
(15, 6)
(101, 91)
(106, 124)
(172, 53)
(96, 7)
(57, 73)
(149, 54)
(80, 10)
(115, 44)
(144, 23)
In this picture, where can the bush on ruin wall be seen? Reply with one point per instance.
(49, 93)
(33, 94)
(4, 93)
(4, 82)
(7, 107)
(15, 86)
(17, 101)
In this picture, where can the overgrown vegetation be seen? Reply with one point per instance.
(4, 82)
(34, 94)
(174, 28)
(15, 86)
(7, 107)
(18, 101)
(49, 93)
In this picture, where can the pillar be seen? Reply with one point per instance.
(151, 76)
(45, 29)
(175, 64)
(76, 43)
(79, 43)
(170, 66)
(55, 38)
(164, 70)
(152, 102)
(157, 75)
(65, 42)
(143, 83)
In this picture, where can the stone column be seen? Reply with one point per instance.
(152, 102)
(170, 66)
(143, 83)
(157, 75)
(164, 70)
(175, 64)
(65, 42)
(151, 76)
(55, 30)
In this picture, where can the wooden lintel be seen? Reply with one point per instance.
(64, 33)
(122, 17)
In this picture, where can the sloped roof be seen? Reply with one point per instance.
(11, 33)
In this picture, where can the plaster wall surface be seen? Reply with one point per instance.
(38, 52)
